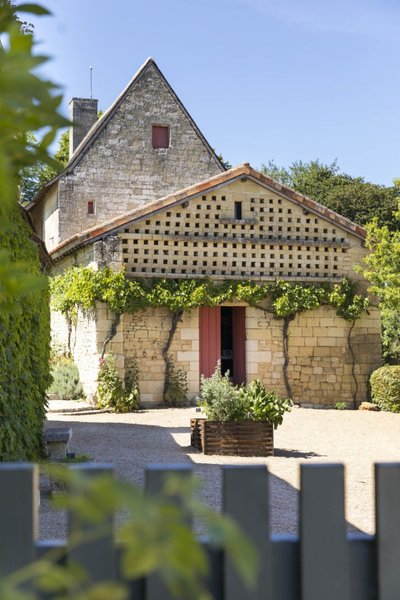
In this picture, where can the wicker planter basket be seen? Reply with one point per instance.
(245, 438)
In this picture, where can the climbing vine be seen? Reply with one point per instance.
(82, 286)
(24, 349)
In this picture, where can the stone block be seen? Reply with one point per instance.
(189, 334)
(251, 345)
(187, 356)
(259, 357)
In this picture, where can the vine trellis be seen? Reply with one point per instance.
(83, 286)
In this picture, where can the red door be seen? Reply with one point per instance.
(210, 339)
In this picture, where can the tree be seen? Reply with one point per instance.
(382, 270)
(352, 197)
(34, 177)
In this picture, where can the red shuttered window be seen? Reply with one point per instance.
(160, 136)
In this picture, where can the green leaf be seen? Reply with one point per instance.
(34, 9)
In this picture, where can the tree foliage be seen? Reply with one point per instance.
(383, 264)
(352, 197)
(382, 270)
(27, 103)
(34, 177)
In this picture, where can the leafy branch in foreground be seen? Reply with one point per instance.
(27, 103)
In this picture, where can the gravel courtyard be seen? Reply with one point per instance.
(357, 439)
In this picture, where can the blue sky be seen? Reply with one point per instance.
(263, 79)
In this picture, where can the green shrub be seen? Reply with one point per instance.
(385, 388)
(341, 406)
(114, 393)
(66, 384)
(220, 399)
(176, 387)
(264, 405)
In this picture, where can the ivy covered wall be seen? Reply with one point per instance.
(315, 343)
(24, 350)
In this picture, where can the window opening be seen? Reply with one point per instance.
(238, 211)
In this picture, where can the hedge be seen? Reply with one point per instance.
(24, 352)
(385, 388)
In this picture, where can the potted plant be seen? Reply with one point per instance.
(239, 420)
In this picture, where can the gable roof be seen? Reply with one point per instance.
(243, 172)
(101, 123)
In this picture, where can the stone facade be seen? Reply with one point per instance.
(119, 169)
(320, 368)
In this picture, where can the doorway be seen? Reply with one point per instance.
(222, 337)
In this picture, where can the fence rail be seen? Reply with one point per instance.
(322, 563)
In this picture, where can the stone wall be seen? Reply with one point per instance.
(121, 170)
(45, 218)
(84, 340)
(320, 361)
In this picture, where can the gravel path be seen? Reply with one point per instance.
(357, 439)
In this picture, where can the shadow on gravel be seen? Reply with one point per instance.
(131, 447)
(295, 453)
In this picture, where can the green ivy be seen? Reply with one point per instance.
(24, 353)
(82, 286)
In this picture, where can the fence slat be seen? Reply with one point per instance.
(246, 500)
(97, 556)
(387, 485)
(286, 567)
(363, 581)
(19, 495)
(325, 571)
(156, 476)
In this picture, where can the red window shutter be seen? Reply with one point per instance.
(210, 339)
(160, 137)
(239, 344)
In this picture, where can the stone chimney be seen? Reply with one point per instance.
(83, 114)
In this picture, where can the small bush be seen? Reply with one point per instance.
(176, 390)
(264, 405)
(66, 384)
(220, 399)
(114, 393)
(385, 388)
(341, 406)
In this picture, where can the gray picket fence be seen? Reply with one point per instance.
(322, 563)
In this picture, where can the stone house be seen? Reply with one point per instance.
(144, 191)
